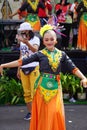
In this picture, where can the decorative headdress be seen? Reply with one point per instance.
(45, 28)
(50, 27)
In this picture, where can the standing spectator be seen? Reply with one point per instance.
(82, 27)
(64, 18)
(44, 13)
(47, 107)
(29, 72)
(74, 24)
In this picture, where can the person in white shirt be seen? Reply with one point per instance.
(28, 73)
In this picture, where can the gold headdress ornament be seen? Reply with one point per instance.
(45, 28)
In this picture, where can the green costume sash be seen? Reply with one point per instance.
(32, 18)
(48, 86)
(84, 18)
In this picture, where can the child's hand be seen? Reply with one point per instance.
(1, 70)
(84, 83)
(21, 38)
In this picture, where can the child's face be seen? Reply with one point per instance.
(25, 34)
(49, 40)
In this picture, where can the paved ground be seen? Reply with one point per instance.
(11, 117)
(76, 117)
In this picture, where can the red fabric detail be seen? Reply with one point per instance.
(42, 13)
(49, 6)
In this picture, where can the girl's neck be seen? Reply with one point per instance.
(51, 49)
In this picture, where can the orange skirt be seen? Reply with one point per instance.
(48, 115)
(82, 36)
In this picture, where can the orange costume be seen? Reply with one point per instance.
(82, 31)
(29, 10)
(48, 112)
(47, 106)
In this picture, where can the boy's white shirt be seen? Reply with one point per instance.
(25, 51)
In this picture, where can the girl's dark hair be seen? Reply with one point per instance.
(31, 34)
(42, 0)
(66, 3)
(75, 0)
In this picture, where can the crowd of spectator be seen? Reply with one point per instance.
(64, 15)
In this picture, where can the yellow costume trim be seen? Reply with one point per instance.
(32, 23)
(33, 4)
(85, 22)
(84, 18)
(53, 60)
(47, 94)
(85, 3)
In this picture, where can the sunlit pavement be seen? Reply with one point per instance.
(11, 117)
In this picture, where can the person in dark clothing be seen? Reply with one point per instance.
(31, 7)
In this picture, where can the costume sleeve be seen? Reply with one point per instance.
(67, 62)
(79, 7)
(80, 10)
(23, 7)
(30, 59)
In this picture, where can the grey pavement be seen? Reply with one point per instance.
(11, 117)
(76, 117)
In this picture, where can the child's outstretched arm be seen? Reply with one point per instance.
(12, 64)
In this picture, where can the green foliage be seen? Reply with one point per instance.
(70, 83)
(65, 82)
(11, 91)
